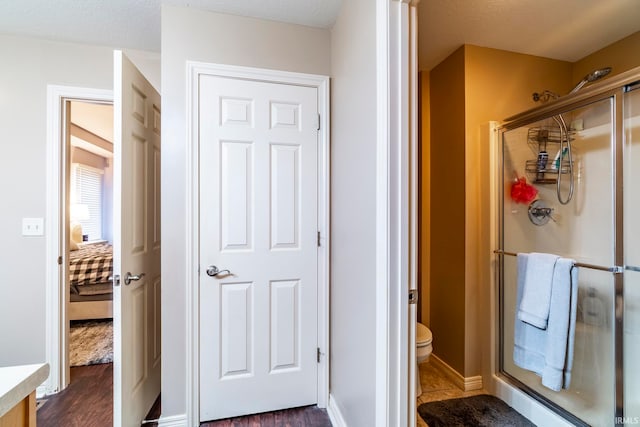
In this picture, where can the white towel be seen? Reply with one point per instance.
(561, 326)
(549, 353)
(536, 296)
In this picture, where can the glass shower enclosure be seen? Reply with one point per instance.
(581, 154)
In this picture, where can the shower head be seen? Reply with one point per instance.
(591, 77)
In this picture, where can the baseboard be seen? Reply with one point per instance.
(173, 421)
(534, 411)
(463, 383)
(333, 409)
(41, 390)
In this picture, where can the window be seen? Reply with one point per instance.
(86, 189)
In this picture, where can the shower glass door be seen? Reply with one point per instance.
(582, 229)
(632, 256)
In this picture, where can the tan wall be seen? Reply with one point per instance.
(622, 55)
(78, 155)
(425, 199)
(447, 275)
(497, 84)
(494, 85)
(473, 86)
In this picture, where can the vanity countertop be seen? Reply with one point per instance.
(17, 382)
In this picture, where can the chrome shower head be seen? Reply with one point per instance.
(598, 74)
(591, 77)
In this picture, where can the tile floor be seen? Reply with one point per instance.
(436, 386)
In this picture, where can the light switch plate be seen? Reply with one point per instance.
(33, 226)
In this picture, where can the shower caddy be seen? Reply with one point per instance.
(547, 139)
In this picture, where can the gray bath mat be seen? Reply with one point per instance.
(476, 411)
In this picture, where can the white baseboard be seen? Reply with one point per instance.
(463, 383)
(42, 390)
(337, 420)
(173, 421)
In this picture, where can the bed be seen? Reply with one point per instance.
(91, 291)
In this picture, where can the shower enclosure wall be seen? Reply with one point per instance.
(598, 227)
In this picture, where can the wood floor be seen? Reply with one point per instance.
(307, 416)
(88, 402)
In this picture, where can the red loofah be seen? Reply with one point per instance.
(521, 192)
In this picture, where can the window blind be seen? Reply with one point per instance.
(88, 191)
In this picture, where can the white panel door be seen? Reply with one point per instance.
(258, 219)
(136, 244)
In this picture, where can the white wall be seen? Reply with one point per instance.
(28, 66)
(353, 212)
(189, 34)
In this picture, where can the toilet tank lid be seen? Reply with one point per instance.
(423, 334)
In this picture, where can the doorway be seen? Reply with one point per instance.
(136, 238)
(89, 185)
(299, 233)
(78, 156)
(58, 232)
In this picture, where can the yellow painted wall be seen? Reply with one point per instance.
(470, 88)
(425, 199)
(498, 84)
(622, 55)
(447, 186)
(473, 86)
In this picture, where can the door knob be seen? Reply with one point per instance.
(213, 271)
(132, 278)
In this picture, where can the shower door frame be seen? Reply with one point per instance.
(612, 89)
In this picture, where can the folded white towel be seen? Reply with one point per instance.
(536, 295)
(561, 326)
(549, 353)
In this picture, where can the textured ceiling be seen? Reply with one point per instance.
(136, 23)
(560, 29)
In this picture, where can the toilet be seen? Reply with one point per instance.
(423, 351)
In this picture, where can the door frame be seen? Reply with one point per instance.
(56, 242)
(321, 83)
(396, 213)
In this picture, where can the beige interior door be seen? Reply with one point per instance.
(258, 220)
(136, 244)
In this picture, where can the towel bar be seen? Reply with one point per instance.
(615, 269)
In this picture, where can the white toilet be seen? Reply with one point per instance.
(423, 351)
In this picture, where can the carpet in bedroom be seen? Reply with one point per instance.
(90, 342)
(474, 411)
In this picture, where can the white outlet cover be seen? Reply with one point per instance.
(33, 226)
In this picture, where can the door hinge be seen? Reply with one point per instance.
(318, 239)
(318, 354)
(319, 121)
(59, 260)
(413, 296)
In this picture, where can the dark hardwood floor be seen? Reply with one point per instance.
(307, 416)
(88, 402)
